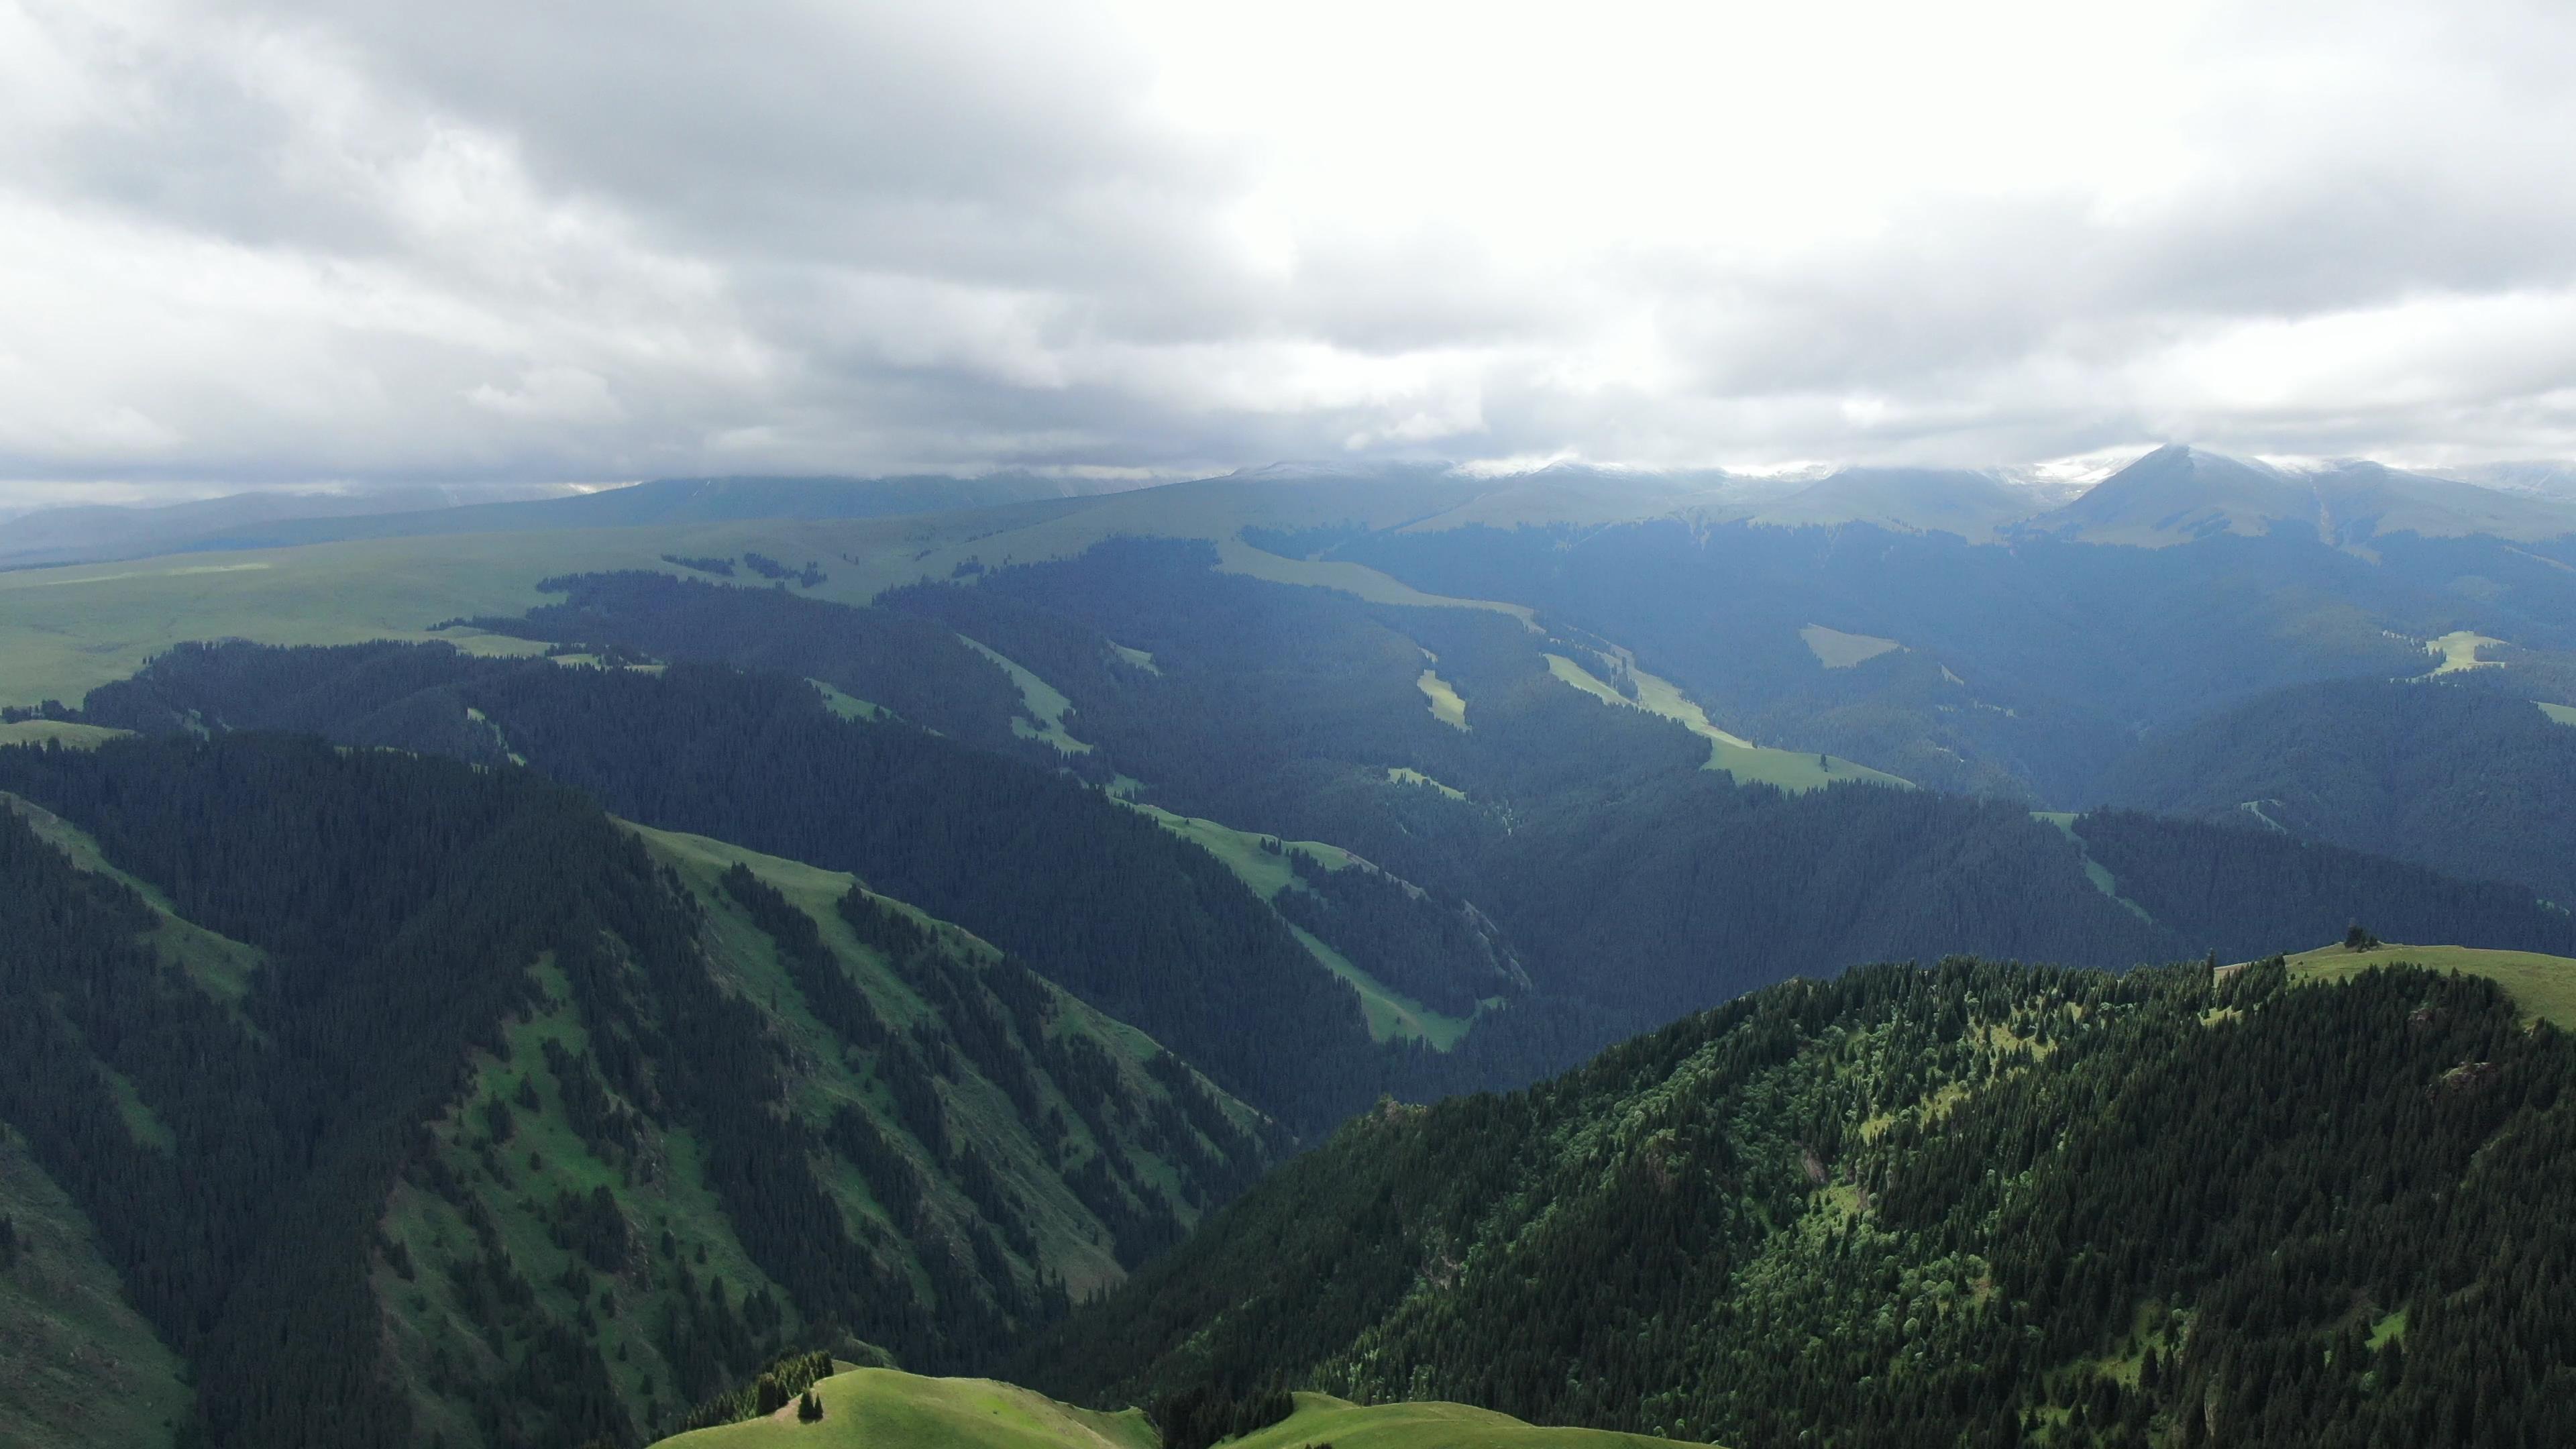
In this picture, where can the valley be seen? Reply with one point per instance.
(1090, 966)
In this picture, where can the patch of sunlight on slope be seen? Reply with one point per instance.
(2094, 870)
(1835, 649)
(2563, 713)
(887, 1407)
(1400, 775)
(81, 1368)
(1446, 706)
(1044, 702)
(62, 732)
(881, 1407)
(2458, 651)
(2543, 986)
(848, 706)
(1234, 556)
(59, 642)
(1391, 1014)
(1321, 1419)
(1793, 770)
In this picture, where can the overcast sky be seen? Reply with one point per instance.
(385, 239)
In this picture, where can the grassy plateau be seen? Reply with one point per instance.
(2544, 986)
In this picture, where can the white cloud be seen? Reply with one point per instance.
(278, 241)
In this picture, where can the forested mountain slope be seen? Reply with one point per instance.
(416, 1100)
(2469, 778)
(1981, 1204)
(1625, 897)
(1093, 896)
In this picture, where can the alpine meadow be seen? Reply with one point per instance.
(1132, 726)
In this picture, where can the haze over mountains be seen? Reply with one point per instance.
(2169, 494)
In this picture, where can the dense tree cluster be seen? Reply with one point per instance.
(1979, 1204)
(2465, 777)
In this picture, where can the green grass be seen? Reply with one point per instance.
(888, 1409)
(1242, 851)
(2563, 713)
(848, 706)
(2458, 651)
(219, 964)
(979, 1111)
(1321, 1419)
(1398, 774)
(63, 732)
(78, 1366)
(1446, 706)
(1793, 770)
(2094, 871)
(1835, 649)
(2392, 1327)
(2543, 986)
(1045, 704)
(544, 1156)
(1391, 1014)
(1234, 556)
(66, 631)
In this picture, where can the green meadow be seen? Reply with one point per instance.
(1835, 649)
(1446, 706)
(78, 1366)
(1791, 770)
(2458, 651)
(888, 1409)
(2094, 871)
(1391, 1014)
(2543, 986)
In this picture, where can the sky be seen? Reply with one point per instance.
(365, 242)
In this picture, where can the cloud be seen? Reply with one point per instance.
(287, 241)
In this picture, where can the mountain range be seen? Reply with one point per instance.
(1272, 949)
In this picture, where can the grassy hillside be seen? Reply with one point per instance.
(1323, 1419)
(1749, 763)
(885, 1407)
(78, 1366)
(1392, 1016)
(882, 1407)
(983, 1166)
(2543, 986)
(62, 732)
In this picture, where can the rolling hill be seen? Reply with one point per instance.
(882, 1406)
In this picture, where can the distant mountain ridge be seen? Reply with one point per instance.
(2177, 494)
(2174, 494)
(267, 520)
